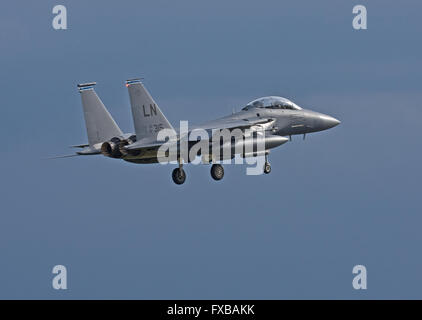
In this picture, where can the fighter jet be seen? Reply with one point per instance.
(274, 118)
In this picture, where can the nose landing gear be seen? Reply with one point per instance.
(267, 165)
(267, 168)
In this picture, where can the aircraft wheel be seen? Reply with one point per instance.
(217, 172)
(179, 176)
(267, 168)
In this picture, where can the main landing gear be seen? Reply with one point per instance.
(179, 175)
(217, 171)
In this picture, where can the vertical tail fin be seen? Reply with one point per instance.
(147, 116)
(100, 125)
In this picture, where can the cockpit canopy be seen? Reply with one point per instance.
(272, 102)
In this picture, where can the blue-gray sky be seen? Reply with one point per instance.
(347, 196)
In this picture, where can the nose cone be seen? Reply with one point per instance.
(327, 122)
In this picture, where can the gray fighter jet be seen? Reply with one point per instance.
(275, 118)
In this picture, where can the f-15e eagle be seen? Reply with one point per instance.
(274, 118)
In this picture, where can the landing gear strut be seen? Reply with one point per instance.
(179, 175)
(217, 172)
(267, 166)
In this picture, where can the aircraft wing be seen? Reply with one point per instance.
(231, 124)
(209, 127)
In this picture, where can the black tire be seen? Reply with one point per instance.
(179, 176)
(267, 168)
(217, 172)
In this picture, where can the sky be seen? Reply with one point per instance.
(343, 197)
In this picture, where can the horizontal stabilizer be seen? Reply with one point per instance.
(65, 156)
(79, 146)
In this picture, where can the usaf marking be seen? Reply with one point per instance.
(152, 109)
